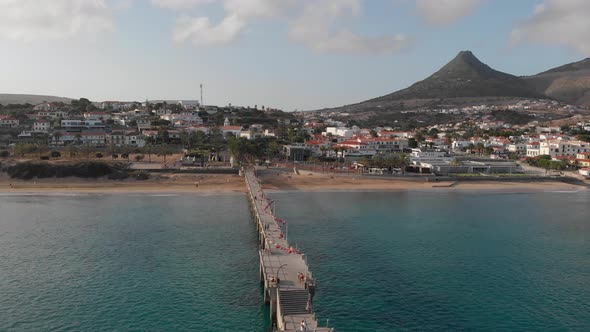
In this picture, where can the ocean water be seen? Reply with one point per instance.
(446, 262)
(383, 261)
(115, 263)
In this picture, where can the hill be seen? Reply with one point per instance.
(465, 76)
(6, 99)
(568, 83)
(464, 80)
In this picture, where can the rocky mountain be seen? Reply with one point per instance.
(568, 83)
(468, 81)
(6, 99)
(465, 76)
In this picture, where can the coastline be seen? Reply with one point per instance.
(218, 184)
(221, 184)
(324, 183)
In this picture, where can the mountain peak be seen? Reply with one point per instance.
(465, 66)
(465, 76)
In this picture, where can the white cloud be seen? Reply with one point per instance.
(316, 29)
(180, 4)
(202, 33)
(29, 20)
(443, 12)
(557, 22)
(313, 23)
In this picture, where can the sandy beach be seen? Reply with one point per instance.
(158, 184)
(224, 184)
(318, 182)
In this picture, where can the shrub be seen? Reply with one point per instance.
(115, 156)
(122, 175)
(141, 176)
(139, 157)
(44, 157)
(55, 154)
(99, 155)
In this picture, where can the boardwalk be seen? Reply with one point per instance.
(281, 265)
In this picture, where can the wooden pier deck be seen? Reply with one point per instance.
(290, 299)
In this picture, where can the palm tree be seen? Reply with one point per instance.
(403, 162)
(57, 136)
(479, 148)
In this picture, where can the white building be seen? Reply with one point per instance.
(532, 149)
(80, 124)
(341, 131)
(561, 148)
(41, 126)
(8, 121)
(519, 148)
(97, 116)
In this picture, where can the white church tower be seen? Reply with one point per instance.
(226, 122)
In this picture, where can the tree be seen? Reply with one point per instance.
(22, 149)
(139, 157)
(164, 150)
(71, 150)
(57, 136)
(78, 139)
(412, 143)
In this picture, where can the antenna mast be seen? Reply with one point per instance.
(201, 94)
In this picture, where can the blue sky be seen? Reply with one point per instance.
(290, 54)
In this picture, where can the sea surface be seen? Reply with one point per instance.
(446, 262)
(138, 263)
(383, 261)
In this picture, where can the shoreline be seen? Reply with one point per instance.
(218, 184)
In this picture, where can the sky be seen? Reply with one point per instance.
(287, 54)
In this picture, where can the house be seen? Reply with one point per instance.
(95, 138)
(296, 152)
(144, 124)
(134, 139)
(41, 126)
(116, 138)
(116, 105)
(234, 130)
(387, 144)
(189, 104)
(341, 131)
(583, 158)
(45, 107)
(519, 148)
(563, 148)
(8, 122)
(533, 149)
(56, 114)
(81, 124)
(355, 148)
(97, 116)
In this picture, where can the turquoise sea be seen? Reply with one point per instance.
(384, 261)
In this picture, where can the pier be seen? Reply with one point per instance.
(289, 286)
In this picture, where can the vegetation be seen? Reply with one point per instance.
(30, 170)
(544, 161)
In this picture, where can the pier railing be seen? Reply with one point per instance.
(289, 287)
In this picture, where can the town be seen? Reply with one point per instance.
(511, 139)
